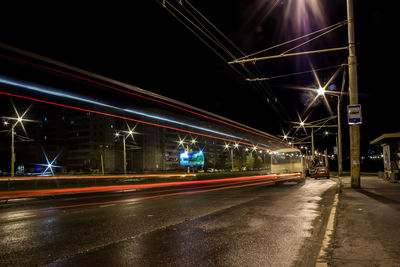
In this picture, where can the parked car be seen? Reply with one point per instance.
(317, 172)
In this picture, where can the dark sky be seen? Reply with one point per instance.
(142, 44)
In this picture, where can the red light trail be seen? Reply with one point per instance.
(41, 192)
(97, 176)
(141, 96)
(253, 181)
(126, 118)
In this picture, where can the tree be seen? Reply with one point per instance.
(238, 163)
(258, 162)
(250, 161)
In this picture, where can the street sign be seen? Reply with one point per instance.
(354, 114)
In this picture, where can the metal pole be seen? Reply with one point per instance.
(12, 151)
(102, 163)
(232, 158)
(123, 141)
(339, 141)
(312, 144)
(354, 128)
(326, 158)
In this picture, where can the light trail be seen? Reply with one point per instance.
(53, 92)
(96, 176)
(42, 192)
(141, 96)
(256, 183)
(130, 119)
(129, 193)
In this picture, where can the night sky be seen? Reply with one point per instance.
(144, 45)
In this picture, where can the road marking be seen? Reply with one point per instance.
(321, 261)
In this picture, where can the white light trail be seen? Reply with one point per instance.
(53, 92)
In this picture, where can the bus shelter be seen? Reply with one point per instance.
(390, 143)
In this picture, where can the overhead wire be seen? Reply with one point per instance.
(341, 23)
(260, 88)
(294, 73)
(214, 40)
(270, 95)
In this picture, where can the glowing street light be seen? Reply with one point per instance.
(18, 120)
(130, 132)
(49, 164)
(321, 91)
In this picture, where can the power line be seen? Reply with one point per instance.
(259, 87)
(339, 24)
(289, 55)
(295, 73)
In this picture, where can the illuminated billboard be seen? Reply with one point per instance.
(191, 159)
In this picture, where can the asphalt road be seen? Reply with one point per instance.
(258, 225)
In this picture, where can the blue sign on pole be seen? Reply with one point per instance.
(354, 114)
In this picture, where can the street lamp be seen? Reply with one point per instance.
(235, 146)
(125, 135)
(339, 133)
(321, 91)
(18, 120)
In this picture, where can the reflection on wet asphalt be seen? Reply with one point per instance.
(261, 225)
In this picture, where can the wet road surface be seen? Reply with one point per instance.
(258, 225)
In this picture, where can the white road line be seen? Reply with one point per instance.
(321, 261)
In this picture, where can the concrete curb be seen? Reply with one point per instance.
(322, 261)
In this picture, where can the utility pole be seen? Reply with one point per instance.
(339, 141)
(326, 158)
(124, 144)
(312, 144)
(232, 158)
(354, 128)
(12, 151)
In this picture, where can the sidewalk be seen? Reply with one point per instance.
(367, 229)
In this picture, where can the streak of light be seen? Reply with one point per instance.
(41, 192)
(141, 96)
(139, 121)
(288, 177)
(99, 176)
(51, 91)
(136, 192)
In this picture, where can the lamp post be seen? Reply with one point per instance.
(12, 150)
(125, 136)
(339, 139)
(227, 147)
(339, 132)
(124, 158)
(18, 120)
(102, 151)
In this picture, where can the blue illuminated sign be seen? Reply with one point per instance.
(191, 159)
